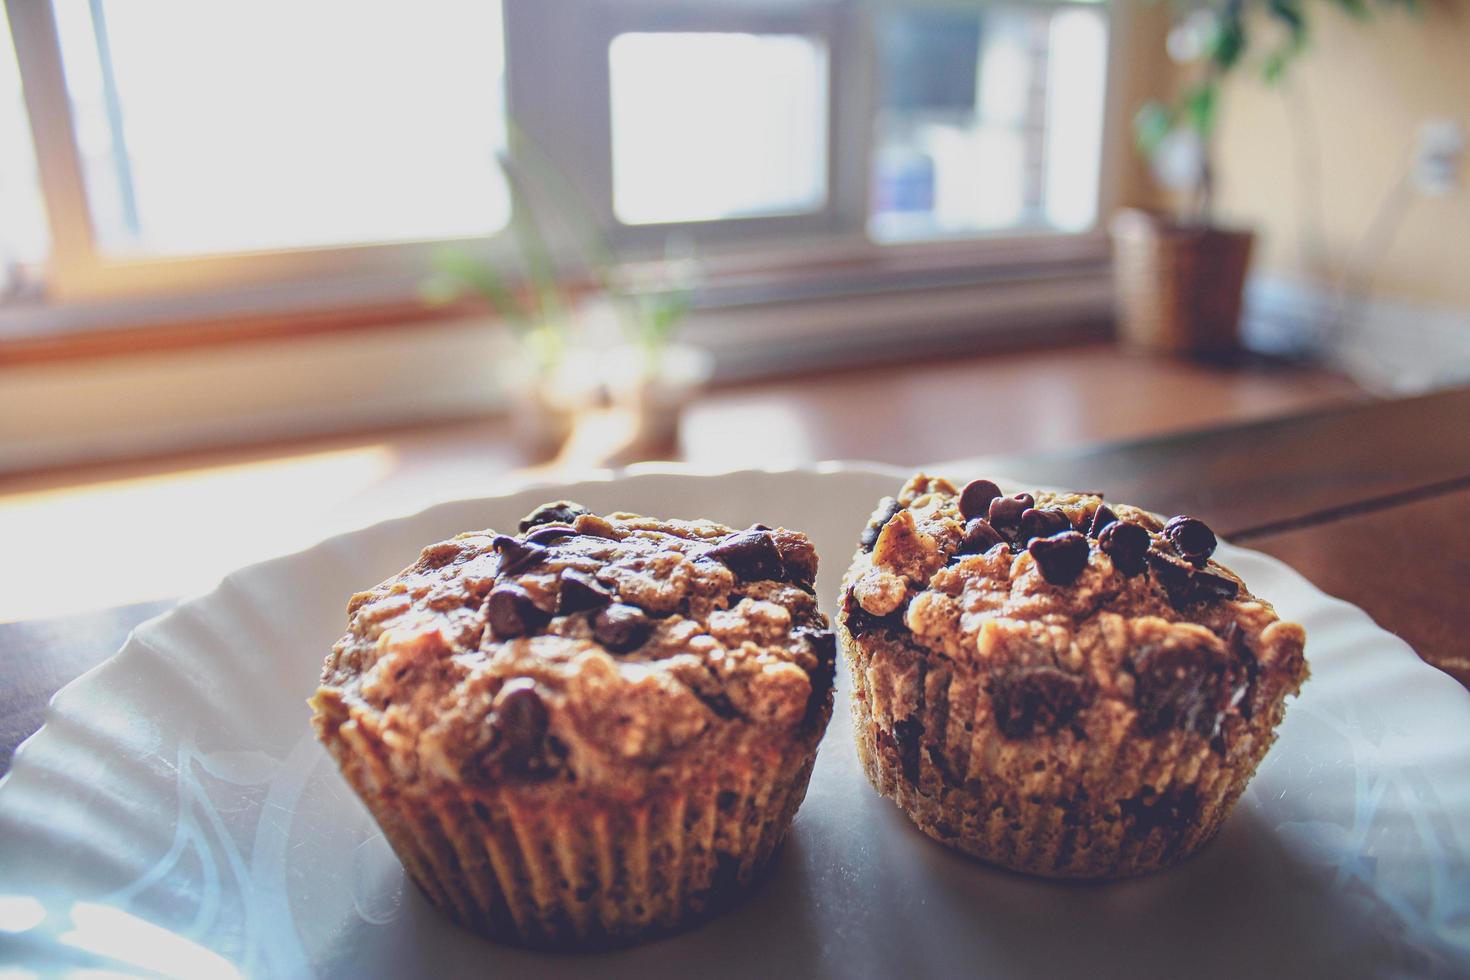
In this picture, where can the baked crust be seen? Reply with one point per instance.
(1095, 718)
(588, 732)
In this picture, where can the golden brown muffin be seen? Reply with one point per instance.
(590, 732)
(1055, 685)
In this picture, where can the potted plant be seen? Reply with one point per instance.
(566, 363)
(650, 375)
(1180, 278)
(547, 380)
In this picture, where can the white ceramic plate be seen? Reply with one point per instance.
(175, 816)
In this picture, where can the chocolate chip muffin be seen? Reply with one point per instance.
(1056, 685)
(589, 732)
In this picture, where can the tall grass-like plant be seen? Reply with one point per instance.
(531, 300)
(1218, 38)
(650, 301)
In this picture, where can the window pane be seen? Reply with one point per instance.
(1076, 68)
(710, 126)
(989, 120)
(23, 237)
(216, 125)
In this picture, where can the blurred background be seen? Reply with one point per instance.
(273, 269)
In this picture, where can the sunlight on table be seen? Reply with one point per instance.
(124, 541)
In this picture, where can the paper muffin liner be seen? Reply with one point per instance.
(1054, 805)
(555, 865)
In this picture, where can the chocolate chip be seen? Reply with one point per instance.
(752, 555)
(579, 591)
(1101, 518)
(979, 538)
(1005, 512)
(716, 700)
(1186, 584)
(823, 641)
(976, 497)
(547, 533)
(908, 734)
(1126, 544)
(1246, 666)
(823, 644)
(887, 507)
(1208, 585)
(621, 627)
(860, 622)
(1174, 575)
(1035, 700)
(1238, 645)
(1177, 687)
(518, 724)
(555, 512)
(1061, 557)
(512, 612)
(1191, 537)
(1043, 523)
(516, 556)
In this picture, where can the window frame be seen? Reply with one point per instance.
(79, 271)
(587, 38)
(557, 88)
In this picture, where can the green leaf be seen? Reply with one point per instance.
(1199, 107)
(531, 244)
(1273, 69)
(574, 208)
(1289, 12)
(1230, 40)
(657, 313)
(483, 278)
(1151, 126)
(1355, 8)
(440, 289)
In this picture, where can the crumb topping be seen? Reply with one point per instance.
(583, 648)
(1062, 602)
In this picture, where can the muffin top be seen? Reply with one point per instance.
(1064, 603)
(585, 649)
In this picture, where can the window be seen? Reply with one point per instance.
(198, 147)
(988, 119)
(711, 126)
(270, 144)
(23, 239)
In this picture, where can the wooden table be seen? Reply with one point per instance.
(1370, 502)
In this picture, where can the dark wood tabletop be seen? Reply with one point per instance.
(1370, 502)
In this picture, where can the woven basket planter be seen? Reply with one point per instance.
(1178, 286)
